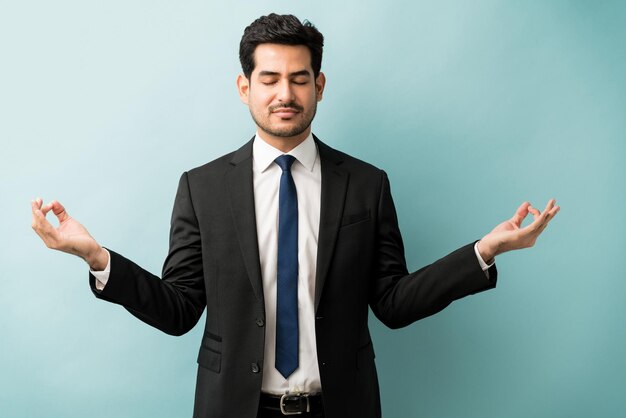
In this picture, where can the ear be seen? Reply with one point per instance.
(320, 82)
(243, 87)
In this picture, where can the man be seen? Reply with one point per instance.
(286, 242)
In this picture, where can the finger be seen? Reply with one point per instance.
(534, 211)
(549, 214)
(40, 224)
(38, 215)
(554, 211)
(59, 211)
(48, 234)
(541, 220)
(520, 213)
(39, 219)
(533, 227)
(549, 206)
(35, 205)
(46, 208)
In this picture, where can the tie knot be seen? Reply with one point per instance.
(285, 161)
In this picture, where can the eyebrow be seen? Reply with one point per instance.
(294, 74)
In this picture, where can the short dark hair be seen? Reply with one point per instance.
(280, 29)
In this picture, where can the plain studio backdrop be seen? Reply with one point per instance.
(471, 108)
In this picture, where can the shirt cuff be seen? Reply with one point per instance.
(102, 277)
(482, 263)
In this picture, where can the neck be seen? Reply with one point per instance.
(284, 143)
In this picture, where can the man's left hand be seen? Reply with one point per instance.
(509, 235)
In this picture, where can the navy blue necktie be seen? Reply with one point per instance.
(287, 287)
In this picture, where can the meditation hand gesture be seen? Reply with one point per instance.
(70, 236)
(509, 235)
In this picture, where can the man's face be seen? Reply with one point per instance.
(282, 93)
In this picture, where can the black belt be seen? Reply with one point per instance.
(293, 403)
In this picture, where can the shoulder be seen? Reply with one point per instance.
(347, 162)
(217, 168)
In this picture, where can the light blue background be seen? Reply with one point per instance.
(471, 107)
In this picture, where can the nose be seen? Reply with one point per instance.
(285, 92)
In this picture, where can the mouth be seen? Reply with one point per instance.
(285, 112)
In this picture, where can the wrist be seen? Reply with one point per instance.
(487, 253)
(97, 259)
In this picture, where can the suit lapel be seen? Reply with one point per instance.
(334, 185)
(241, 192)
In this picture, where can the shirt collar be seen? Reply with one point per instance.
(264, 154)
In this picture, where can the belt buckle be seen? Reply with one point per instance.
(302, 406)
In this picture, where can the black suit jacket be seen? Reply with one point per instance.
(213, 263)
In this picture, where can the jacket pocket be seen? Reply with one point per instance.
(210, 355)
(355, 218)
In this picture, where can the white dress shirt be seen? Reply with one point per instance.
(307, 177)
(306, 173)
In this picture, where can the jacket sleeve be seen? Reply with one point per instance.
(399, 298)
(175, 303)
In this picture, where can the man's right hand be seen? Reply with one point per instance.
(70, 236)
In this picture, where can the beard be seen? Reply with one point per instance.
(293, 129)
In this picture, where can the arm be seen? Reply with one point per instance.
(399, 298)
(173, 304)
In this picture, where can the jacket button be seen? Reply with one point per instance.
(260, 322)
(254, 367)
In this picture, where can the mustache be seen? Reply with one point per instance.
(286, 106)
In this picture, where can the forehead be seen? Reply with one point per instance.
(282, 59)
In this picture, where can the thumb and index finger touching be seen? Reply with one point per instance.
(55, 206)
(40, 224)
(541, 219)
